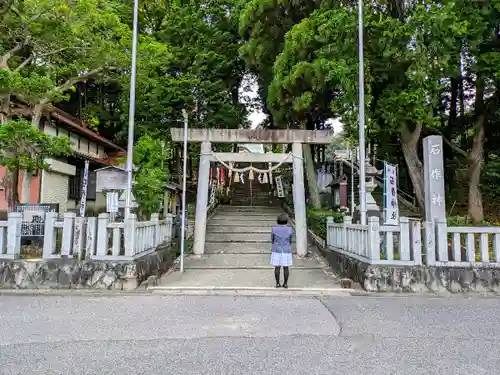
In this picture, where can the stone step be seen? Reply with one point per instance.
(246, 208)
(256, 214)
(218, 228)
(250, 202)
(237, 248)
(244, 261)
(240, 237)
(242, 221)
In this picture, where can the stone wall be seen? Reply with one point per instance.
(415, 279)
(89, 274)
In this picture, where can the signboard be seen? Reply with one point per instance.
(111, 178)
(112, 202)
(391, 209)
(279, 187)
(435, 208)
(85, 182)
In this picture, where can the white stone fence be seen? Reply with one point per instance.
(403, 244)
(465, 246)
(89, 237)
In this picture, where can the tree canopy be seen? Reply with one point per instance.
(431, 67)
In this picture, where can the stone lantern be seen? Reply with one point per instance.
(372, 208)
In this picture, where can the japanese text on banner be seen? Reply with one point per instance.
(391, 208)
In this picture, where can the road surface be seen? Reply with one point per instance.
(248, 335)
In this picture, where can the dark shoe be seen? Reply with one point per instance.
(285, 286)
(278, 286)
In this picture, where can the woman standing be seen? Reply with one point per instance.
(281, 250)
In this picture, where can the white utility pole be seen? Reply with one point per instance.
(131, 112)
(184, 178)
(361, 137)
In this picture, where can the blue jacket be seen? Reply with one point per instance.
(281, 238)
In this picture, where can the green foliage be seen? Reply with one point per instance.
(316, 220)
(189, 61)
(151, 157)
(24, 147)
(49, 46)
(491, 177)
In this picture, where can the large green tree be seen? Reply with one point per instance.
(420, 61)
(48, 46)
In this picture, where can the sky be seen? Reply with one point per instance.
(256, 117)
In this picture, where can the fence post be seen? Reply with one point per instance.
(169, 231)
(430, 243)
(14, 234)
(130, 235)
(329, 223)
(78, 237)
(344, 240)
(67, 237)
(404, 238)
(416, 241)
(49, 239)
(442, 240)
(102, 234)
(155, 218)
(374, 237)
(91, 237)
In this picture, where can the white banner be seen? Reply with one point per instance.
(391, 209)
(279, 187)
(85, 183)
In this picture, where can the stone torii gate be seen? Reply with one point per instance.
(296, 137)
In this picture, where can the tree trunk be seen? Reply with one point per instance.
(4, 109)
(310, 173)
(11, 188)
(476, 158)
(36, 114)
(409, 143)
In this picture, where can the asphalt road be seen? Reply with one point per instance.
(248, 335)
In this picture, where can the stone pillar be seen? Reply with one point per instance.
(200, 223)
(299, 200)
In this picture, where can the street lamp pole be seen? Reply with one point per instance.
(131, 111)
(361, 137)
(184, 178)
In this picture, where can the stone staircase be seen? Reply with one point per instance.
(237, 254)
(251, 193)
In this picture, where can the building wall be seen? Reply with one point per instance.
(54, 189)
(78, 143)
(34, 189)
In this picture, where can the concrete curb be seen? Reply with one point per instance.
(249, 291)
(249, 268)
(73, 292)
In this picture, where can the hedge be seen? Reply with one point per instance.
(316, 220)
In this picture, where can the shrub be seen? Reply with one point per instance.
(317, 220)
